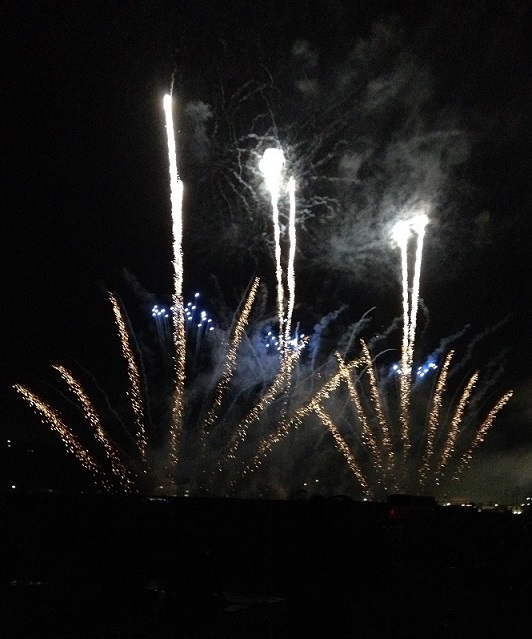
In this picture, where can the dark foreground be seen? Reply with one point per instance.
(99, 566)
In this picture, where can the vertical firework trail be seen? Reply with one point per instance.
(291, 280)
(401, 233)
(271, 166)
(418, 225)
(176, 199)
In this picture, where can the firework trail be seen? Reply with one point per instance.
(113, 455)
(176, 199)
(418, 224)
(378, 407)
(56, 423)
(280, 380)
(401, 234)
(297, 417)
(134, 377)
(290, 274)
(455, 423)
(481, 433)
(271, 166)
(368, 438)
(434, 416)
(230, 361)
(344, 449)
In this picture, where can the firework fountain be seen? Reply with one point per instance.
(344, 407)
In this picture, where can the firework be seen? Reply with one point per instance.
(434, 415)
(90, 412)
(245, 413)
(230, 361)
(56, 423)
(133, 374)
(176, 199)
(290, 275)
(271, 166)
(401, 233)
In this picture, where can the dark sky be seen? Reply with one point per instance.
(382, 105)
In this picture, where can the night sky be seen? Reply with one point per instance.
(382, 107)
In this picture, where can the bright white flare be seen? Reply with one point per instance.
(401, 232)
(271, 166)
